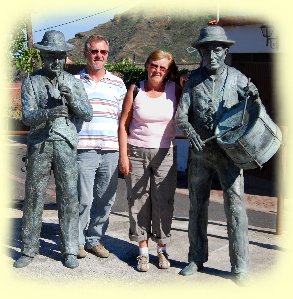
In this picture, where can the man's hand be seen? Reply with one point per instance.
(59, 111)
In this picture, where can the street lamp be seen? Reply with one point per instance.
(267, 32)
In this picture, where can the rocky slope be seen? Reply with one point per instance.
(135, 33)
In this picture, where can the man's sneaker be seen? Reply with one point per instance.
(23, 261)
(100, 251)
(81, 252)
(70, 261)
(163, 260)
(143, 263)
(192, 268)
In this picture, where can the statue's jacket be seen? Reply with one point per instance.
(205, 99)
(38, 94)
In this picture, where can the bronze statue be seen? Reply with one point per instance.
(51, 99)
(210, 91)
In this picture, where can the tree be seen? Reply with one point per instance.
(24, 59)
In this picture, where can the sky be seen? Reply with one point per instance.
(70, 24)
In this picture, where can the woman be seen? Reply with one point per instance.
(147, 156)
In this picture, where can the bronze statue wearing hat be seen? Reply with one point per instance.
(211, 90)
(51, 99)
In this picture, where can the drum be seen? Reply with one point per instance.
(253, 143)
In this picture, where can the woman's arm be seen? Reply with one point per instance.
(125, 119)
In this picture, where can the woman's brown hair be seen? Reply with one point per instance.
(160, 54)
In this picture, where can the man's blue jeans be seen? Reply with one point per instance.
(97, 185)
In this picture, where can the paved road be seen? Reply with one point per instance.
(216, 211)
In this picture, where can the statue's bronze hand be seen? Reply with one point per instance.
(59, 111)
(65, 92)
(251, 91)
(196, 142)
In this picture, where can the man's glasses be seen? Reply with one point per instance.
(95, 52)
(161, 68)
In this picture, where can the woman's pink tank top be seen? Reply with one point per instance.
(152, 124)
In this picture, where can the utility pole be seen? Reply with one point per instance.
(218, 11)
(29, 33)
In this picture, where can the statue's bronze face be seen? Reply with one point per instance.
(213, 55)
(53, 62)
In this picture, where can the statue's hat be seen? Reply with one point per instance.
(53, 41)
(212, 33)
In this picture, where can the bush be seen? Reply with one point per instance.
(128, 71)
(24, 59)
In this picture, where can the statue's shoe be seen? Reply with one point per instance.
(241, 278)
(23, 261)
(70, 261)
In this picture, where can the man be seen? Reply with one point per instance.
(50, 99)
(210, 91)
(98, 148)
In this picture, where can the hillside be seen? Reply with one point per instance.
(134, 34)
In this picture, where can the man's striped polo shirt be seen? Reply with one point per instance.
(106, 98)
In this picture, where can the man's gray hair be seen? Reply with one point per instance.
(94, 38)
